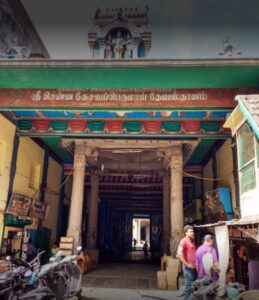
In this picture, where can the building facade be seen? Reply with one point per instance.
(126, 124)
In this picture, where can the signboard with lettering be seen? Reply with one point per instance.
(39, 210)
(19, 205)
(120, 98)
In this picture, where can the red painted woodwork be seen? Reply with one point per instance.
(77, 125)
(41, 125)
(152, 126)
(191, 126)
(114, 126)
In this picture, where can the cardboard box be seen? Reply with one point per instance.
(171, 278)
(161, 280)
(172, 263)
(66, 239)
(66, 245)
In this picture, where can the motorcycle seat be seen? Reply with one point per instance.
(45, 269)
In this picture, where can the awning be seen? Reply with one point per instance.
(16, 221)
(247, 228)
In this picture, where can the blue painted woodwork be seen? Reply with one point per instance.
(142, 115)
(189, 114)
(110, 114)
(85, 114)
(218, 114)
(58, 114)
(25, 113)
(103, 114)
(225, 199)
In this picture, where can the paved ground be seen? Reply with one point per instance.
(128, 294)
(125, 282)
(129, 276)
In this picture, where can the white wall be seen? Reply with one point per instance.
(249, 203)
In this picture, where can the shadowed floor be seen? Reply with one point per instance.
(128, 276)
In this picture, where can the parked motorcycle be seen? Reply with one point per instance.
(60, 279)
(9, 283)
(63, 276)
(74, 276)
(206, 288)
(22, 281)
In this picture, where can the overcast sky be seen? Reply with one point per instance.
(179, 28)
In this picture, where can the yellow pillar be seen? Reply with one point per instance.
(77, 198)
(177, 219)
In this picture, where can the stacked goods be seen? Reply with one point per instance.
(172, 270)
(66, 245)
(161, 280)
(168, 279)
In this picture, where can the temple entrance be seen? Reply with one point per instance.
(123, 170)
(140, 232)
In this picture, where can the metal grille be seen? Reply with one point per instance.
(246, 145)
(248, 179)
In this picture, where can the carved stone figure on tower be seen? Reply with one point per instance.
(118, 45)
(128, 47)
(108, 48)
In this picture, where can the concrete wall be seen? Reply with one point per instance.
(249, 203)
(225, 169)
(28, 152)
(207, 173)
(7, 132)
(52, 196)
(224, 159)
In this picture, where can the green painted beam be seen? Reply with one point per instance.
(130, 77)
(54, 143)
(200, 151)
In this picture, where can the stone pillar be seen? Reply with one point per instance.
(166, 213)
(93, 212)
(177, 221)
(77, 198)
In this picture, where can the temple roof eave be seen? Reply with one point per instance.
(130, 62)
(130, 74)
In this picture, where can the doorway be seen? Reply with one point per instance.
(140, 232)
